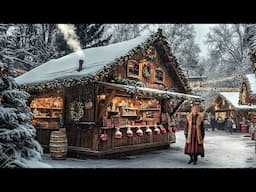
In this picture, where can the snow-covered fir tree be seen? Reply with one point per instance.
(228, 49)
(27, 45)
(17, 143)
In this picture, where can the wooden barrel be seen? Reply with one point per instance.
(58, 144)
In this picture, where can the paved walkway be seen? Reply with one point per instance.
(222, 150)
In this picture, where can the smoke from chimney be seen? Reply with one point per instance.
(70, 36)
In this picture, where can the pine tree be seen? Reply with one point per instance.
(91, 35)
(17, 143)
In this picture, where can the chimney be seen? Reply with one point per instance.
(81, 62)
(160, 30)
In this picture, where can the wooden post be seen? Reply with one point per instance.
(108, 100)
(95, 138)
(95, 129)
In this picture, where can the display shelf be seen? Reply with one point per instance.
(47, 128)
(150, 109)
(45, 108)
(129, 108)
(43, 117)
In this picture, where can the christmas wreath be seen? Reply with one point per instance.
(76, 111)
(146, 70)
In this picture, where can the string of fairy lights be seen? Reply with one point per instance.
(203, 84)
(237, 77)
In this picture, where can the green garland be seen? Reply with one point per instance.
(125, 82)
(76, 115)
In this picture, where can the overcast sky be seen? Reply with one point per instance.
(201, 31)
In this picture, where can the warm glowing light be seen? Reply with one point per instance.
(102, 97)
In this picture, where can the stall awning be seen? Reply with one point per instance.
(153, 92)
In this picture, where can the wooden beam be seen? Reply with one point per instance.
(177, 107)
(108, 100)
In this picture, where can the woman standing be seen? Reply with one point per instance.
(194, 133)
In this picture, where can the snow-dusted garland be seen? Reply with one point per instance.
(126, 82)
(76, 115)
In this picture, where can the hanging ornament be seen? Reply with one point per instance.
(163, 130)
(170, 129)
(149, 131)
(175, 129)
(157, 130)
(103, 137)
(129, 132)
(139, 132)
(118, 133)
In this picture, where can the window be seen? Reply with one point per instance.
(159, 76)
(133, 69)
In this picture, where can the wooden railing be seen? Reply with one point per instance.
(113, 142)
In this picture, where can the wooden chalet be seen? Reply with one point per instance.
(112, 99)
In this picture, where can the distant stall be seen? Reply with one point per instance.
(237, 105)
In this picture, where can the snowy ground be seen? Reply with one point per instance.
(222, 150)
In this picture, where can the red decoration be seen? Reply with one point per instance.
(129, 132)
(149, 131)
(170, 130)
(157, 130)
(175, 129)
(139, 132)
(163, 130)
(103, 137)
(118, 134)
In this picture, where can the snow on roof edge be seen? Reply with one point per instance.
(251, 79)
(233, 98)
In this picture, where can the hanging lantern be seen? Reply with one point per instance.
(118, 133)
(139, 132)
(157, 130)
(103, 137)
(170, 130)
(129, 132)
(149, 131)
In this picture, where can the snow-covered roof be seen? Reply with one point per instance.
(233, 98)
(251, 78)
(95, 59)
(191, 78)
(156, 92)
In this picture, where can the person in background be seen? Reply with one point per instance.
(213, 122)
(194, 133)
(229, 124)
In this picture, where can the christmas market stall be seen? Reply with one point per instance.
(240, 106)
(112, 99)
